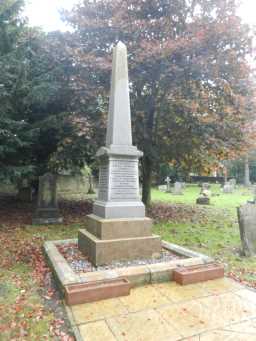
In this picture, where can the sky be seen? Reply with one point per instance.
(45, 13)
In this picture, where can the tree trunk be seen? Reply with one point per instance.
(247, 182)
(147, 180)
(225, 172)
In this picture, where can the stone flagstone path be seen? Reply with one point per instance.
(212, 311)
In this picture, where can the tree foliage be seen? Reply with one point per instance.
(37, 126)
(14, 136)
(188, 70)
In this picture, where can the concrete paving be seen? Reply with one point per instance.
(211, 311)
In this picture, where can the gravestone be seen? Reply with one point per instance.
(47, 211)
(247, 226)
(206, 186)
(183, 185)
(168, 183)
(24, 191)
(118, 228)
(177, 189)
(162, 188)
(25, 194)
(203, 200)
(205, 191)
(228, 188)
(232, 182)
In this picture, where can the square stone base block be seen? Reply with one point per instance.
(118, 228)
(102, 252)
(119, 209)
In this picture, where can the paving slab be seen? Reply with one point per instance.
(95, 311)
(142, 298)
(98, 330)
(143, 325)
(211, 311)
(219, 335)
(177, 293)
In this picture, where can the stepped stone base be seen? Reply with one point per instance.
(118, 228)
(105, 251)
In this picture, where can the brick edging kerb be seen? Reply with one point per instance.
(138, 275)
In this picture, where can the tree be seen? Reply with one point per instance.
(14, 136)
(188, 72)
(38, 130)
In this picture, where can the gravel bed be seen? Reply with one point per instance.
(80, 263)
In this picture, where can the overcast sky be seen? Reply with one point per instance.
(45, 13)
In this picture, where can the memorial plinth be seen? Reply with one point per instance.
(118, 228)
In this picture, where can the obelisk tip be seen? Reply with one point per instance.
(121, 45)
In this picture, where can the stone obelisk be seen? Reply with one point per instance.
(118, 228)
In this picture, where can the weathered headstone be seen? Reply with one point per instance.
(162, 188)
(206, 185)
(228, 188)
(183, 185)
(47, 211)
(247, 227)
(24, 191)
(205, 193)
(177, 189)
(25, 194)
(232, 182)
(118, 228)
(203, 200)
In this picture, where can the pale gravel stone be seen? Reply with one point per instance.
(84, 265)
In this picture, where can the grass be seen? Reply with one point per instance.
(216, 234)
(26, 309)
(191, 193)
(29, 312)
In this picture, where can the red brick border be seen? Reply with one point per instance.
(96, 291)
(198, 273)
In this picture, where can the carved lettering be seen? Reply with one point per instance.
(124, 179)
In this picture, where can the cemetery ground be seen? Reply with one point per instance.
(30, 306)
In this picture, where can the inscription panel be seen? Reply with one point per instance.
(124, 184)
(103, 182)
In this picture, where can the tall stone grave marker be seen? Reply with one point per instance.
(118, 228)
(47, 211)
(247, 227)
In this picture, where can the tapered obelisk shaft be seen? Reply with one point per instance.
(118, 194)
(118, 228)
(119, 116)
